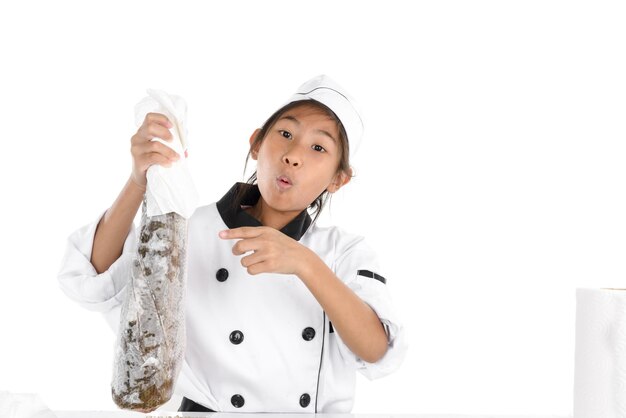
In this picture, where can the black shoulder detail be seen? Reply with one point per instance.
(367, 273)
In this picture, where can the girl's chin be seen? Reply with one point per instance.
(281, 203)
(282, 200)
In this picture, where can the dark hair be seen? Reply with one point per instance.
(344, 160)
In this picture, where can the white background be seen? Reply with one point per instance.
(491, 180)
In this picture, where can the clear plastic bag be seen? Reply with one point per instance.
(150, 345)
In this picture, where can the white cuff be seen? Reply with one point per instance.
(376, 295)
(79, 279)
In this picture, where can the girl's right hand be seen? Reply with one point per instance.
(146, 152)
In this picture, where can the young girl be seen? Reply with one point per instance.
(280, 312)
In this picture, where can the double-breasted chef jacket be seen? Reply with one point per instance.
(257, 343)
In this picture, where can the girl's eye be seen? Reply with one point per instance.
(285, 134)
(319, 148)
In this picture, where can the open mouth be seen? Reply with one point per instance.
(284, 181)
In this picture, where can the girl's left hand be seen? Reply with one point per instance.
(273, 251)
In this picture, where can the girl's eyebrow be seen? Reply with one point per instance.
(291, 118)
(323, 132)
(297, 122)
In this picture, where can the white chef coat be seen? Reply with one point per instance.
(254, 343)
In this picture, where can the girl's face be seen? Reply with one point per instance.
(298, 159)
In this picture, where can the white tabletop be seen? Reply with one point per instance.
(127, 414)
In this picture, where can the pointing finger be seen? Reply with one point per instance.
(243, 232)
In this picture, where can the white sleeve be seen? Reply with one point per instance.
(357, 266)
(81, 282)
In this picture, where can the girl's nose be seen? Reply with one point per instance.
(292, 159)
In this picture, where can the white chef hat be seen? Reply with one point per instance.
(326, 91)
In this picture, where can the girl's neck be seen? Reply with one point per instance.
(268, 216)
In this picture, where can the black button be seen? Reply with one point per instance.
(308, 334)
(305, 400)
(221, 275)
(236, 337)
(237, 401)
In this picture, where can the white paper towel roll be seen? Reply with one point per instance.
(600, 365)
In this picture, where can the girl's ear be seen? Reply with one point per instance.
(341, 179)
(254, 151)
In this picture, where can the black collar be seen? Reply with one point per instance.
(235, 217)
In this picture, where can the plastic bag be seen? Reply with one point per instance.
(150, 344)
